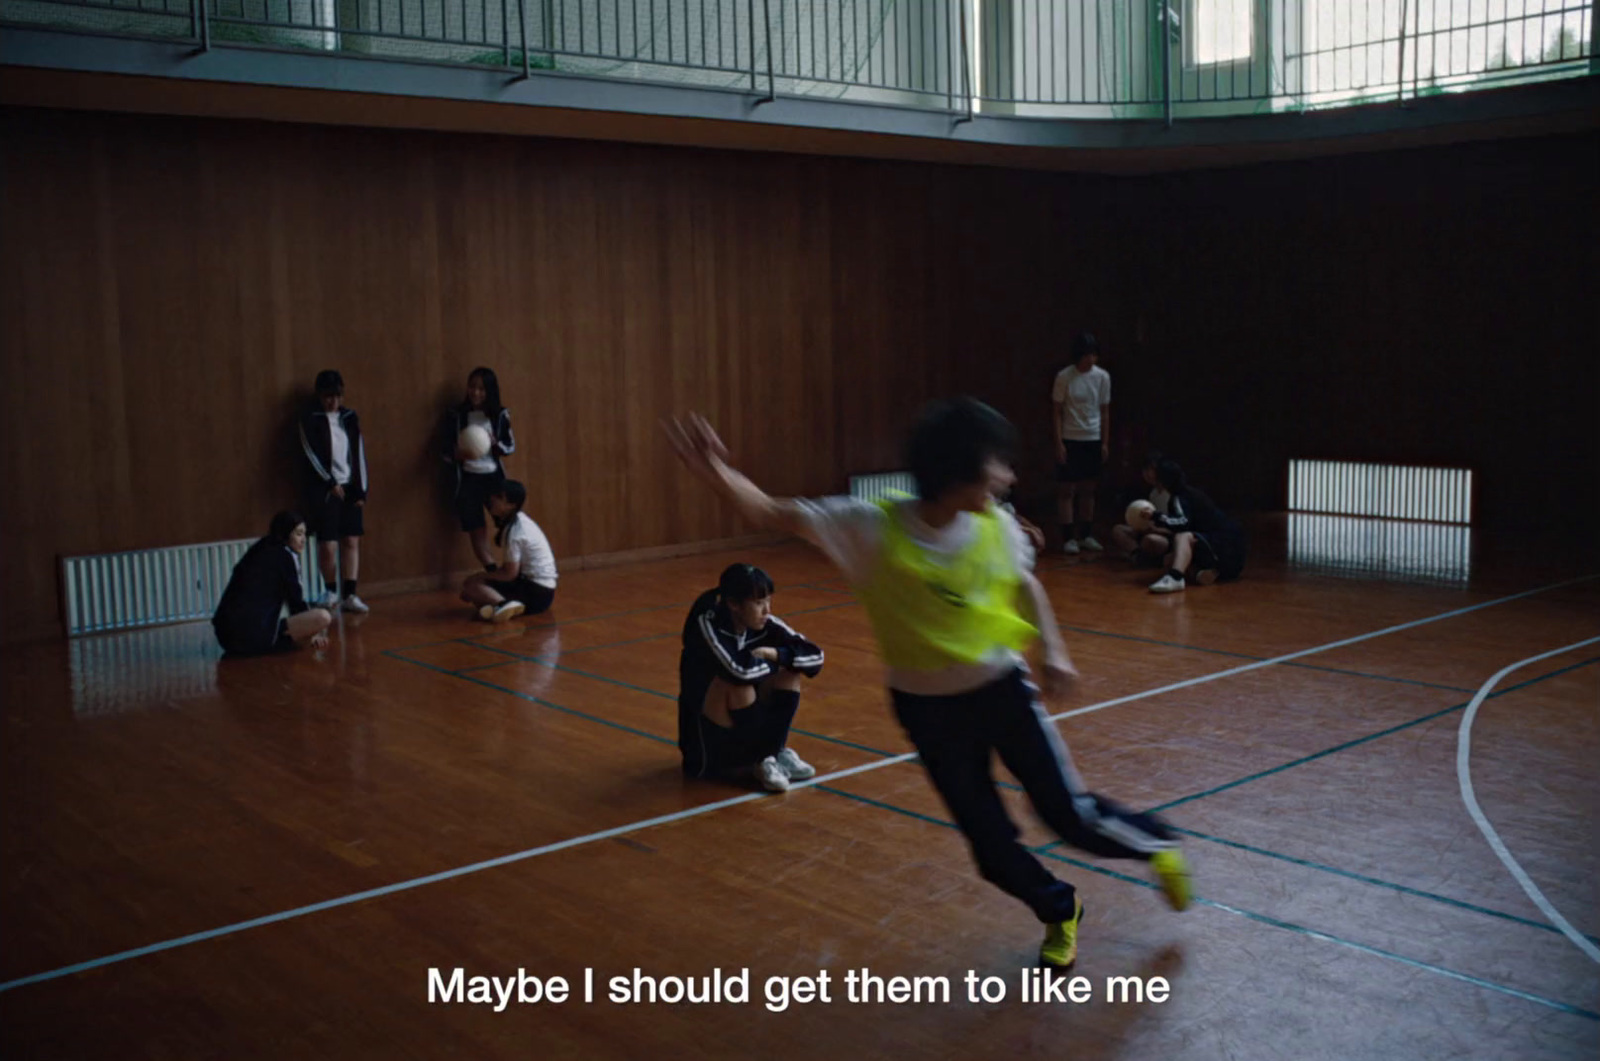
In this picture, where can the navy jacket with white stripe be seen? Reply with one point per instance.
(316, 440)
(712, 650)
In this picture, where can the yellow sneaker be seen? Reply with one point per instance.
(1172, 873)
(1060, 946)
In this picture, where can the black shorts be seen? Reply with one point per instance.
(254, 639)
(472, 496)
(534, 597)
(760, 730)
(1083, 461)
(330, 517)
(1222, 553)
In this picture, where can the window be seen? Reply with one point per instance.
(1219, 31)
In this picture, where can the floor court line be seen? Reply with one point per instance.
(1247, 655)
(473, 640)
(1264, 919)
(1362, 878)
(1356, 640)
(563, 668)
(1280, 768)
(690, 812)
(1041, 849)
(1469, 797)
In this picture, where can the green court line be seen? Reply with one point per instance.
(395, 654)
(1246, 655)
(1363, 740)
(653, 692)
(1264, 919)
(1047, 849)
(1544, 926)
(473, 640)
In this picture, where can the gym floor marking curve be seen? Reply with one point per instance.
(1464, 776)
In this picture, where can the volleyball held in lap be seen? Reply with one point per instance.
(1140, 516)
(475, 441)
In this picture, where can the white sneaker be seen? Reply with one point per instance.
(328, 600)
(508, 611)
(486, 613)
(1093, 545)
(355, 604)
(771, 775)
(1205, 576)
(794, 767)
(1070, 548)
(1167, 584)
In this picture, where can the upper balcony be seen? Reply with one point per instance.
(1109, 84)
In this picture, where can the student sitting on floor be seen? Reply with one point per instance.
(739, 683)
(525, 579)
(1205, 540)
(249, 616)
(1147, 546)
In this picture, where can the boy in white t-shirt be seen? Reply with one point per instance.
(952, 603)
(1081, 399)
(525, 578)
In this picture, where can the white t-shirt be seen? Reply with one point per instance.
(480, 465)
(1081, 394)
(340, 450)
(528, 548)
(1161, 499)
(850, 532)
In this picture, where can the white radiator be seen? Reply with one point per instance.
(149, 587)
(1341, 488)
(883, 486)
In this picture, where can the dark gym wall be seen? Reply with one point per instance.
(1432, 306)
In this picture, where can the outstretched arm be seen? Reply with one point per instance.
(703, 453)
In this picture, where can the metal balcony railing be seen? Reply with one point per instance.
(1022, 58)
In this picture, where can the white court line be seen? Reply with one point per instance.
(706, 808)
(1464, 774)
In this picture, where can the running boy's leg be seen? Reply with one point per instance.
(1032, 749)
(947, 733)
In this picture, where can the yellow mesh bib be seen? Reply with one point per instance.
(929, 614)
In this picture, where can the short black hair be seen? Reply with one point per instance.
(1084, 344)
(516, 495)
(512, 490)
(744, 582)
(1169, 475)
(951, 442)
(329, 382)
(283, 525)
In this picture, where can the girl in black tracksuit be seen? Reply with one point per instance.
(264, 580)
(1206, 540)
(476, 478)
(739, 682)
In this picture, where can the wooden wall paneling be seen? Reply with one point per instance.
(549, 437)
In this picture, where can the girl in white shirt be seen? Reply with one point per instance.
(525, 579)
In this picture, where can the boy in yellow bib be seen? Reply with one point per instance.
(953, 602)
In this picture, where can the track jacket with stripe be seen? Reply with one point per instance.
(316, 439)
(712, 650)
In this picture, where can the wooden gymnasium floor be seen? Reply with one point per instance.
(286, 813)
